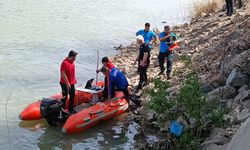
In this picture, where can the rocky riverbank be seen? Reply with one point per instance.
(218, 48)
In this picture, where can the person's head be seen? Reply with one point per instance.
(72, 55)
(105, 61)
(167, 29)
(105, 71)
(147, 26)
(139, 39)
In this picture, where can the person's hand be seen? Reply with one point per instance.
(168, 36)
(142, 63)
(135, 62)
(156, 31)
(68, 86)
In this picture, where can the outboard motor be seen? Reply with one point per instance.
(51, 110)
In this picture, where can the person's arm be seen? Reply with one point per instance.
(157, 32)
(146, 51)
(66, 79)
(111, 86)
(136, 59)
(174, 36)
(144, 60)
(164, 38)
(137, 33)
(154, 38)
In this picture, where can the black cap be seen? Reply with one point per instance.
(105, 60)
(147, 24)
(167, 26)
(72, 53)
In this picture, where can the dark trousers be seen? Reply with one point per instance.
(106, 89)
(143, 76)
(130, 97)
(229, 6)
(66, 92)
(125, 93)
(166, 56)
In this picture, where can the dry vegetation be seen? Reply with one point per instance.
(248, 7)
(205, 7)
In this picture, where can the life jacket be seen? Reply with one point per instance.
(174, 46)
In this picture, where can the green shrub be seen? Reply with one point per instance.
(188, 141)
(191, 105)
(185, 59)
(206, 114)
(190, 97)
(160, 101)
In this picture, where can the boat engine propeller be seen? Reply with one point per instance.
(51, 110)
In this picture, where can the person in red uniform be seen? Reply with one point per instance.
(107, 63)
(68, 79)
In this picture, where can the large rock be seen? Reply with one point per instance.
(215, 140)
(242, 60)
(206, 88)
(243, 88)
(150, 116)
(242, 96)
(225, 92)
(244, 114)
(218, 140)
(246, 103)
(248, 70)
(240, 140)
(237, 78)
(214, 147)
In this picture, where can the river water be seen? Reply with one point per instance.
(36, 35)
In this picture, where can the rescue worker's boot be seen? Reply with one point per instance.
(168, 75)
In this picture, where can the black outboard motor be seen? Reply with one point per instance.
(51, 110)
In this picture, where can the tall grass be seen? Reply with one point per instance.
(207, 6)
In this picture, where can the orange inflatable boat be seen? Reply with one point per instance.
(89, 110)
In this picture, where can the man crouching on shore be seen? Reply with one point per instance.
(118, 82)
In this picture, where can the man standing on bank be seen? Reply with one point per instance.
(230, 8)
(149, 36)
(68, 79)
(143, 59)
(166, 38)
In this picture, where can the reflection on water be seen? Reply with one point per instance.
(118, 133)
(33, 125)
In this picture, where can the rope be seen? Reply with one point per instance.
(6, 117)
(97, 66)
